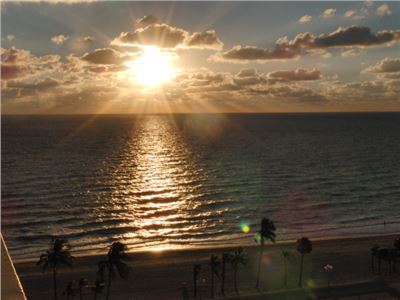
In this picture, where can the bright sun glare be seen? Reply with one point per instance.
(152, 68)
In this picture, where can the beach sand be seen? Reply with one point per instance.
(160, 275)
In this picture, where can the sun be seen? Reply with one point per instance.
(152, 68)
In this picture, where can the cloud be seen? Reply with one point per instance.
(19, 63)
(353, 15)
(383, 10)
(307, 44)
(59, 39)
(9, 37)
(351, 52)
(386, 65)
(241, 54)
(295, 75)
(328, 13)
(107, 56)
(248, 76)
(151, 32)
(204, 40)
(305, 19)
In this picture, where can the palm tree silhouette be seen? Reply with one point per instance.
(285, 255)
(238, 258)
(98, 287)
(225, 259)
(114, 262)
(57, 255)
(374, 253)
(267, 232)
(214, 265)
(70, 290)
(304, 246)
(82, 283)
(196, 272)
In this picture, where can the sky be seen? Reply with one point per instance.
(81, 57)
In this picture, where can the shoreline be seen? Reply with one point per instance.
(222, 247)
(161, 274)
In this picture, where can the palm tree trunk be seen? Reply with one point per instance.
(301, 270)
(212, 282)
(235, 281)
(260, 262)
(80, 293)
(55, 283)
(223, 276)
(95, 295)
(194, 285)
(285, 272)
(109, 283)
(372, 264)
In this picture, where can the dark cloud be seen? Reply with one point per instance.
(204, 40)
(295, 75)
(107, 56)
(306, 43)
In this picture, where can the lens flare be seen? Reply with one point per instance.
(245, 227)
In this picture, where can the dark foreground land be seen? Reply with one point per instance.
(160, 275)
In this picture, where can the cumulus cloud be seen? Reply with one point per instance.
(59, 39)
(328, 13)
(386, 65)
(18, 63)
(305, 19)
(352, 14)
(295, 75)
(151, 32)
(307, 43)
(383, 10)
(248, 76)
(106, 56)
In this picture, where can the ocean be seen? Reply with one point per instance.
(196, 180)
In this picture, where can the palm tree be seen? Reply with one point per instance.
(98, 287)
(304, 246)
(267, 232)
(225, 259)
(70, 289)
(196, 271)
(238, 258)
(374, 253)
(57, 255)
(114, 262)
(215, 265)
(82, 283)
(285, 255)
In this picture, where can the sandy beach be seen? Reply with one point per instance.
(160, 275)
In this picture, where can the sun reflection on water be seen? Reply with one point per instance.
(157, 168)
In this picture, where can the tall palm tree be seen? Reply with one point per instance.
(374, 253)
(57, 255)
(196, 272)
(238, 258)
(285, 255)
(98, 287)
(225, 259)
(115, 261)
(267, 232)
(214, 265)
(70, 290)
(82, 283)
(304, 246)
